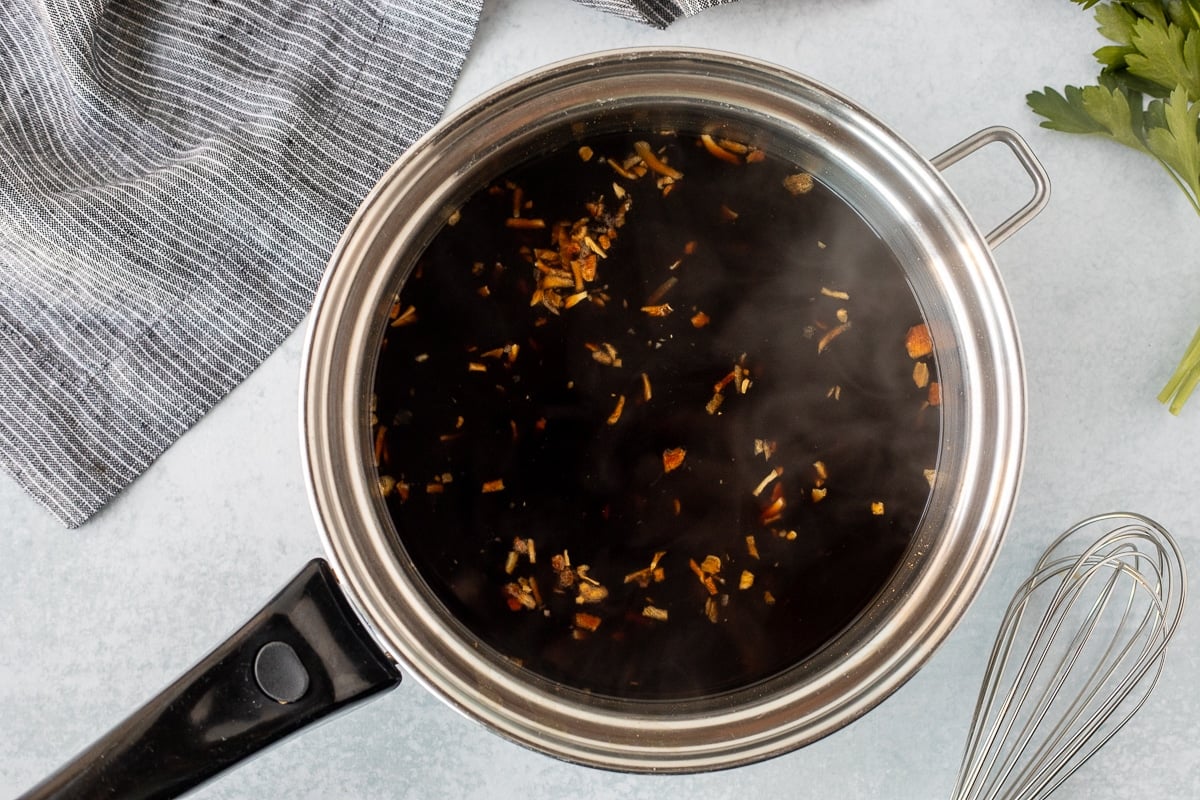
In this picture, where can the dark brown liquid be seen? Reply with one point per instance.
(598, 491)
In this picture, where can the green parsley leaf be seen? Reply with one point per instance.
(1116, 23)
(1184, 13)
(1176, 144)
(1166, 55)
(1147, 97)
(1092, 109)
(1064, 113)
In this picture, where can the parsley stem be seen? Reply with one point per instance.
(1185, 378)
(1183, 187)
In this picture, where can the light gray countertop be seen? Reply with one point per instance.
(1104, 287)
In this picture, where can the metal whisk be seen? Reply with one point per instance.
(1080, 648)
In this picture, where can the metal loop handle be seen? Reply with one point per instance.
(1026, 158)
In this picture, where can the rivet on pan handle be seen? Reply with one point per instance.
(1025, 156)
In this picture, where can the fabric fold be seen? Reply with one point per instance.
(659, 13)
(173, 178)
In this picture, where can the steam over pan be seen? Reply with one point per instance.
(898, 194)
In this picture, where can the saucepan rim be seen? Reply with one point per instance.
(951, 269)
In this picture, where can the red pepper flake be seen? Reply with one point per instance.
(604, 353)
(765, 482)
(525, 223)
(561, 564)
(673, 458)
(620, 170)
(830, 335)
(525, 547)
(700, 319)
(523, 594)
(587, 622)
(766, 448)
(707, 572)
(798, 184)
(918, 342)
(493, 486)
(717, 150)
(655, 613)
(598, 249)
(653, 162)
(408, 317)
(589, 591)
(381, 452)
(518, 196)
(774, 511)
(920, 374)
(616, 414)
(712, 609)
(935, 394)
(643, 577)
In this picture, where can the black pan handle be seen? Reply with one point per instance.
(303, 656)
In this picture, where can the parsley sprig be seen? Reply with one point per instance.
(1146, 97)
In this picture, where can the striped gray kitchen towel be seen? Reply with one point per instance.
(173, 177)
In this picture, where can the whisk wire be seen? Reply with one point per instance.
(1074, 725)
(1081, 647)
(1016, 708)
(1018, 699)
